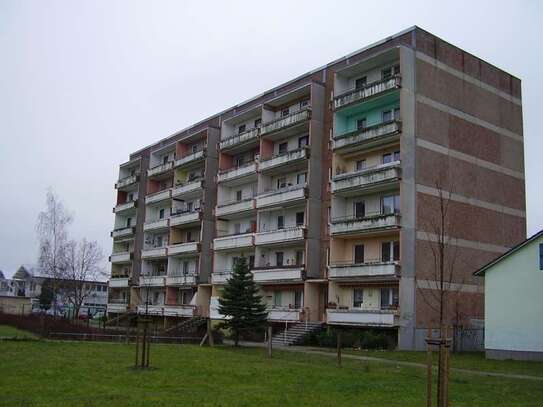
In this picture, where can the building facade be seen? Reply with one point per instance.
(330, 186)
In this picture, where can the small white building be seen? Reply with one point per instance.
(514, 302)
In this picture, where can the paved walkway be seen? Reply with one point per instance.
(319, 351)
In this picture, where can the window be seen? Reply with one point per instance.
(278, 258)
(361, 123)
(239, 161)
(298, 295)
(130, 197)
(390, 204)
(258, 122)
(277, 298)
(299, 219)
(281, 182)
(389, 297)
(251, 261)
(299, 257)
(390, 251)
(396, 156)
(194, 148)
(391, 157)
(387, 116)
(360, 165)
(283, 148)
(285, 112)
(159, 241)
(185, 267)
(189, 206)
(239, 195)
(358, 296)
(301, 178)
(161, 214)
(164, 159)
(304, 103)
(189, 236)
(360, 82)
(359, 209)
(397, 113)
(541, 256)
(303, 141)
(241, 129)
(237, 228)
(280, 222)
(359, 254)
(128, 222)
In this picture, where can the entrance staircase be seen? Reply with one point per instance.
(296, 333)
(187, 325)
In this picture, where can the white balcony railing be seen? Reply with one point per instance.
(369, 135)
(159, 169)
(366, 178)
(370, 90)
(284, 314)
(239, 172)
(184, 217)
(153, 281)
(233, 242)
(155, 252)
(187, 187)
(229, 208)
(187, 311)
(126, 181)
(117, 308)
(220, 277)
(122, 232)
(277, 274)
(116, 282)
(158, 196)
(366, 224)
(183, 248)
(286, 158)
(121, 257)
(240, 138)
(377, 269)
(291, 234)
(157, 224)
(287, 121)
(124, 206)
(353, 316)
(281, 196)
(189, 279)
(190, 158)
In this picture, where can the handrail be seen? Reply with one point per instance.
(281, 190)
(252, 129)
(286, 229)
(286, 153)
(366, 129)
(366, 86)
(368, 170)
(301, 111)
(370, 216)
(371, 262)
(244, 165)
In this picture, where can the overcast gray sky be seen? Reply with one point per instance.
(84, 83)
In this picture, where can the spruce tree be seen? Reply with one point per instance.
(241, 304)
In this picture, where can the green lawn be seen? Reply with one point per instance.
(11, 332)
(71, 373)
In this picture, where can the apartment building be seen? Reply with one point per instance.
(329, 186)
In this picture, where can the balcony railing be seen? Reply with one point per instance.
(371, 135)
(158, 196)
(227, 208)
(181, 218)
(287, 195)
(153, 280)
(186, 311)
(190, 158)
(183, 248)
(188, 187)
(271, 274)
(220, 277)
(157, 224)
(286, 121)
(160, 169)
(366, 92)
(240, 138)
(234, 241)
(120, 257)
(353, 316)
(284, 158)
(351, 224)
(123, 232)
(118, 282)
(117, 308)
(291, 234)
(367, 269)
(284, 314)
(154, 252)
(234, 173)
(124, 206)
(366, 178)
(126, 181)
(182, 279)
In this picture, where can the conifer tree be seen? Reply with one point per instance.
(241, 304)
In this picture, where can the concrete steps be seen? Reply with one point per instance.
(296, 333)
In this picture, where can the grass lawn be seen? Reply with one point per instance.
(11, 332)
(71, 373)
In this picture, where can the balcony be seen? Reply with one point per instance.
(368, 224)
(123, 232)
(153, 253)
(120, 257)
(235, 207)
(117, 307)
(160, 169)
(220, 277)
(158, 196)
(237, 173)
(118, 282)
(125, 207)
(127, 181)
(356, 270)
(187, 311)
(181, 279)
(273, 274)
(292, 234)
(290, 157)
(381, 318)
(369, 91)
(190, 158)
(153, 281)
(183, 248)
(370, 179)
(368, 137)
(183, 218)
(282, 197)
(156, 225)
(284, 314)
(282, 123)
(189, 187)
(239, 139)
(233, 242)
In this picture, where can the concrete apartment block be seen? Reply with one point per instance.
(329, 185)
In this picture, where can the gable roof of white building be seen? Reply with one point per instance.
(514, 249)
